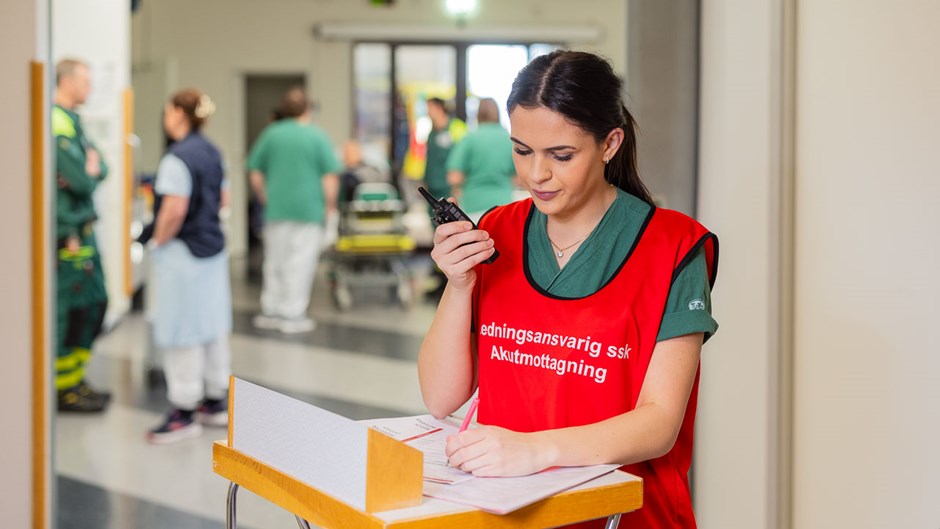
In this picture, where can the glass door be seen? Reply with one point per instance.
(421, 72)
(393, 82)
(491, 69)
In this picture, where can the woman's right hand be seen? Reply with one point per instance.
(458, 248)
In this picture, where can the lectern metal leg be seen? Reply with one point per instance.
(613, 521)
(302, 523)
(230, 506)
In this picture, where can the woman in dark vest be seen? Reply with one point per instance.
(192, 308)
(584, 336)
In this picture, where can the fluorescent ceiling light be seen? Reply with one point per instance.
(434, 33)
(461, 8)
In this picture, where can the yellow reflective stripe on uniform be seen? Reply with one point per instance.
(67, 363)
(82, 254)
(457, 130)
(83, 355)
(62, 124)
(69, 380)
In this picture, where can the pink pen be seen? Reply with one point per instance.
(473, 409)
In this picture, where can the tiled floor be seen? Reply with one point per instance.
(360, 364)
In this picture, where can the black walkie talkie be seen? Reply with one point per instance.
(446, 211)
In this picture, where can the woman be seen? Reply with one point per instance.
(584, 336)
(480, 169)
(192, 311)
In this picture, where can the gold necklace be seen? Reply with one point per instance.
(560, 252)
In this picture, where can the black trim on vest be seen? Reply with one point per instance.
(713, 273)
(485, 213)
(540, 290)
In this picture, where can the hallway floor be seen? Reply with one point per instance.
(360, 364)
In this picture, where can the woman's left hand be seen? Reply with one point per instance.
(491, 451)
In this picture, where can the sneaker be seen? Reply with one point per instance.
(88, 391)
(297, 325)
(212, 412)
(72, 400)
(179, 425)
(263, 321)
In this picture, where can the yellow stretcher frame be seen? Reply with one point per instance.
(374, 244)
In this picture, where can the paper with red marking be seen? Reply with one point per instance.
(428, 435)
(495, 495)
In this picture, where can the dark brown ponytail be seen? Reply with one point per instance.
(584, 88)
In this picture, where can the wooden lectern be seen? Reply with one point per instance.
(370, 481)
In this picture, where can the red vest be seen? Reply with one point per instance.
(547, 362)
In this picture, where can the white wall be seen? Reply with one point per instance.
(23, 27)
(867, 364)
(662, 93)
(216, 42)
(102, 38)
(865, 343)
(733, 472)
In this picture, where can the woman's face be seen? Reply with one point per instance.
(561, 164)
(172, 116)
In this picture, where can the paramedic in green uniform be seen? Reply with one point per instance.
(445, 133)
(480, 169)
(81, 298)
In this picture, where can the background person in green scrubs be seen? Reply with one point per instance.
(445, 133)
(294, 174)
(480, 169)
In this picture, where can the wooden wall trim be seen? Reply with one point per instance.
(40, 255)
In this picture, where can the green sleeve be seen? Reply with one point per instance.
(258, 157)
(689, 306)
(103, 168)
(457, 159)
(70, 166)
(66, 221)
(331, 163)
(72, 214)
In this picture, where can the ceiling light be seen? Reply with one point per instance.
(461, 8)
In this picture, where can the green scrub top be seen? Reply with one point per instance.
(601, 254)
(294, 156)
(440, 143)
(485, 159)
